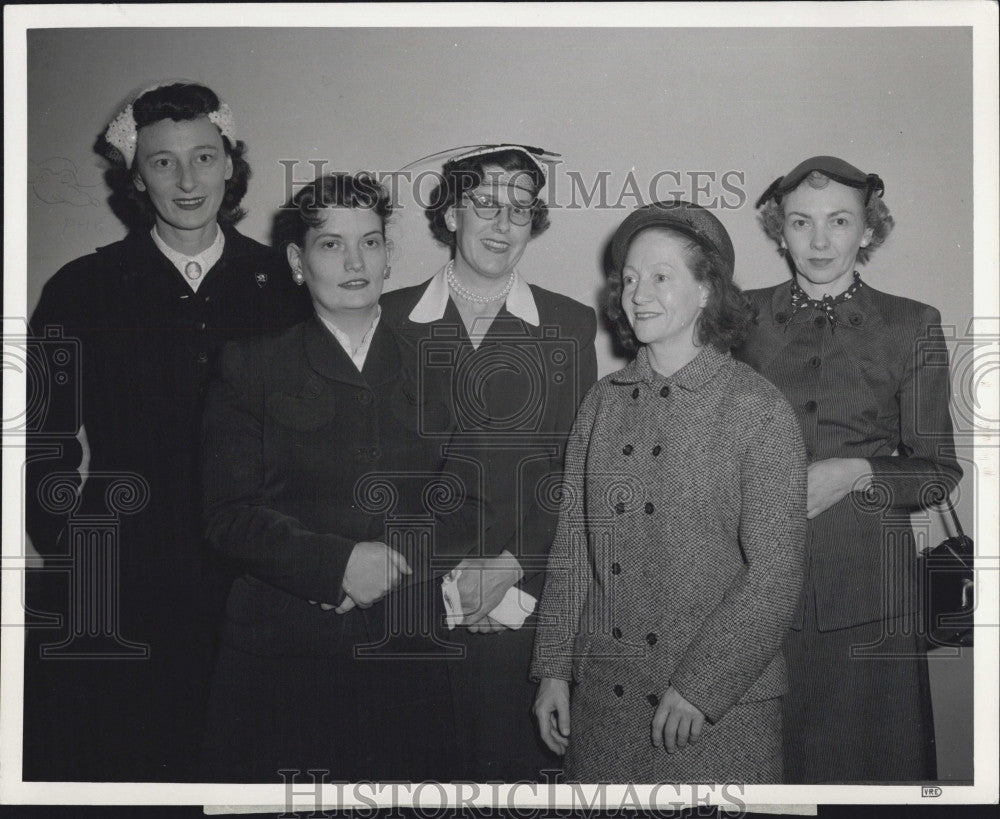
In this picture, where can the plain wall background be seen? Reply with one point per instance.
(897, 101)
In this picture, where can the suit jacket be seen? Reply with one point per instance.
(303, 457)
(514, 399)
(678, 559)
(872, 384)
(124, 348)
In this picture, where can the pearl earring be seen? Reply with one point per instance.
(298, 278)
(388, 271)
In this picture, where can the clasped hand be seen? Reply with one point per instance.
(482, 585)
(373, 570)
(832, 479)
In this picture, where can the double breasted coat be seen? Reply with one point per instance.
(677, 562)
(869, 381)
(125, 350)
(514, 399)
(304, 457)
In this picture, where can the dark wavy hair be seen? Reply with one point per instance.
(177, 102)
(332, 190)
(460, 176)
(877, 217)
(727, 317)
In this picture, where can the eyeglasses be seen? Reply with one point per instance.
(488, 208)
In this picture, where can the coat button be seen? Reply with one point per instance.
(653, 700)
(855, 319)
(664, 391)
(202, 357)
(651, 638)
(635, 393)
(616, 568)
(815, 361)
(620, 508)
(616, 633)
(619, 691)
(314, 389)
(649, 508)
(657, 450)
(781, 318)
(627, 449)
(363, 397)
(810, 406)
(374, 453)
(819, 321)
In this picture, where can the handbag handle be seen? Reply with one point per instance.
(954, 515)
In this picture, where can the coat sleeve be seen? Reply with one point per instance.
(539, 524)
(53, 454)
(926, 469)
(742, 635)
(568, 576)
(269, 544)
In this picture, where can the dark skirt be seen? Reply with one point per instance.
(495, 728)
(858, 707)
(361, 708)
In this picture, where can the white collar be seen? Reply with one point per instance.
(206, 259)
(520, 301)
(358, 355)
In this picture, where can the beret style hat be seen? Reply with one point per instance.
(837, 169)
(684, 217)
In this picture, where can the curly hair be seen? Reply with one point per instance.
(727, 316)
(331, 190)
(464, 175)
(177, 102)
(877, 219)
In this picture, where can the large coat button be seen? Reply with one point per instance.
(664, 391)
(619, 691)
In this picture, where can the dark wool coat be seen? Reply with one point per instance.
(126, 350)
(304, 458)
(514, 398)
(873, 384)
(677, 562)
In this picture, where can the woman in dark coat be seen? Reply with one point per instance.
(678, 558)
(867, 375)
(128, 339)
(324, 479)
(517, 360)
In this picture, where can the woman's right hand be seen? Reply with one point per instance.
(373, 570)
(552, 712)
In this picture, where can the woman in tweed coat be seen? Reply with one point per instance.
(678, 555)
(867, 374)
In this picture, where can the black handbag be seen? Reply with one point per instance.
(949, 588)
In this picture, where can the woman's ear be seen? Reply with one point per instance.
(866, 238)
(294, 255)
(390, 249)
(229, 167)
(137, 181)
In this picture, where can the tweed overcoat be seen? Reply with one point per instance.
(677, 562)
(304, 457)
(126, 351)
(515, 398)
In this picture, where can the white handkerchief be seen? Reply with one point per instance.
(512, 611)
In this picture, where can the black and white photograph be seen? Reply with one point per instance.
(500, 406)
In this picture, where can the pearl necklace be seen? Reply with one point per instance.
(467, 294)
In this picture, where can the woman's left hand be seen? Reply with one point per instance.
(833, 479)
(486, 625)
(676, 722)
